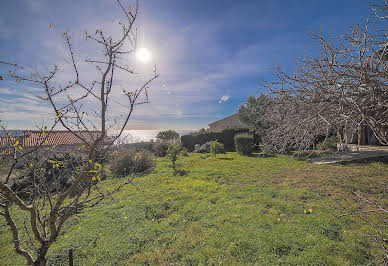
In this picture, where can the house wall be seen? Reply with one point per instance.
(227, 122)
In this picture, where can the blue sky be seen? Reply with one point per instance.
(205, 51)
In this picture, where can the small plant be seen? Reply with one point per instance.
(173, 154)
(184, 152)
(205, 148)
(243, 143)
(160, 149)
(131, 162)
(216, 148)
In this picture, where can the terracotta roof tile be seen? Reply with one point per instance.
(34, 138)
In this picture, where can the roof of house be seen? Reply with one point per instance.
(33, 138)
(226, 118)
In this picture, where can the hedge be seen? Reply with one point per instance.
(243, 143)
(225, 137)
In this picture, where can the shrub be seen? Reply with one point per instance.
(167, 135)
(140, 146)
(55, 170)
(330, 144)
(184, 152)
(225, 137)
(173, 154)
(216, 148)
(205, 148)
(131, 162)
(160, 149)
(243, 143)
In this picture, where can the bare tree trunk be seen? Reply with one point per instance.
(71, 259)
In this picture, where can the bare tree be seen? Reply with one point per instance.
(344, 89)
(49, 204)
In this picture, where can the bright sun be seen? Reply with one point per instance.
(143, 54)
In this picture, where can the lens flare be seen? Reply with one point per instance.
(143, 55)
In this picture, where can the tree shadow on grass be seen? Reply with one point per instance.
(225, 158)
(261, 155)
(181, 172)
(383, 160)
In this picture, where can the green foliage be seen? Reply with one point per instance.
(204, 148)
(173, 154)
(243, 143)
(184, 152)
(167, 135)
(160, 149)
(5, 163)
(157, 148)
(223, 212)
(253, 113)
(140, 146)
(216, 148)
(330, 144)
(56, 171)
(225, 137)
(130, 161)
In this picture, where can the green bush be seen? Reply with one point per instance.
(184, 152)
(330, 144)
(216, 148)
(204, 148)
(243, 143)
(225, 137)
(160, 149)
(144, 145)
(173, 154)
(55, 171)
(167, 135)
(130, 161)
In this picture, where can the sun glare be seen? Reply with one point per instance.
(143, 55)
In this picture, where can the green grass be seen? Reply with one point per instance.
(226, 210)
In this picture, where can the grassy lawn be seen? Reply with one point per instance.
(226, 210)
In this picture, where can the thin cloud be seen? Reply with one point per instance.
(224, 98)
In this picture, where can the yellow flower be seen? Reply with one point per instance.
(16, 143)
(305, 211)
(345, 231)
(65, 236)
(9, 133)
(310, 210)
(125, 217)
(278, 219)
